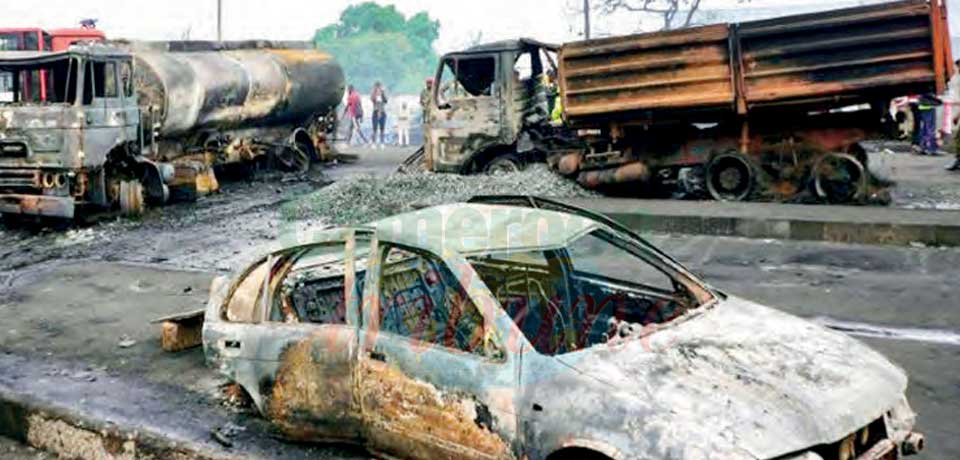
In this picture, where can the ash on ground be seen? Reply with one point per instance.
(362, 199)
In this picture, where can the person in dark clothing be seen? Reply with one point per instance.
(379, 98)
(925, 134)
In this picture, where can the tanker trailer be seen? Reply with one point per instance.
(208, 104)
(139, 123)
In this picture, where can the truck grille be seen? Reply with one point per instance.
(19, 179)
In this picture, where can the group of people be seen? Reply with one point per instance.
(353, 115)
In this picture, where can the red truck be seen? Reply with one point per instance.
(36, 39)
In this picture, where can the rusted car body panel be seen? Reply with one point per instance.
(726, 378)
(831, 59)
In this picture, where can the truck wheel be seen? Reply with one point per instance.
(294, 158)
(504, 164)
(131, 198)
(839, 178)
(730, 177)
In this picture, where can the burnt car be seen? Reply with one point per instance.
(523, 328)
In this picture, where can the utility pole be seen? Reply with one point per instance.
(219, 20)
(586, 19)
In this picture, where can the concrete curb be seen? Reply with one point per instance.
(74, 411)
(71, 434)
(838, 224)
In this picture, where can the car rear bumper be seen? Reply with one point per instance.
(37, 205)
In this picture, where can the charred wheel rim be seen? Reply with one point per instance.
(730, 177)
(839, 178)
(504, 164)
(131, 198)
(294, 158)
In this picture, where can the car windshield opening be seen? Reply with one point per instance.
(581, 296)
(51, 82)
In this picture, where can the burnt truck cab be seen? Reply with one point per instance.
(488, 106)
(53, 151)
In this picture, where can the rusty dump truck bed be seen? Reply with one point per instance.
(820, 60)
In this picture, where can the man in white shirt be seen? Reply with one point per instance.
(404, 117)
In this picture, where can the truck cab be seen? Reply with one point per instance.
(489, 107)
(54, 150)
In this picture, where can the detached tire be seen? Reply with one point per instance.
(131, 198)
(730, 177)
(504, 164)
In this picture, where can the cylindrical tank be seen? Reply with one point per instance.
(199, 90)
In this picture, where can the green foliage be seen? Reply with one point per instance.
(377, 43)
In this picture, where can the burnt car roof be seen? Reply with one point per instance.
(467, 228)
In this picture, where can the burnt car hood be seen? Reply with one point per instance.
(743, 377)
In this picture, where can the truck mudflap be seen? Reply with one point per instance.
(37, 205)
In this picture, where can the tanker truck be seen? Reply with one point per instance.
(773, 109)
(125, 125)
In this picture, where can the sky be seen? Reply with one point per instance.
(461, 21)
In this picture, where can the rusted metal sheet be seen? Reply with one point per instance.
(878, 51)
(836, 57)
(678, 69)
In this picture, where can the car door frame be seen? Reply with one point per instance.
(256, 355)
(388, 362)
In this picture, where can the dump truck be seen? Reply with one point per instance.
(124, 125)
(764, 109)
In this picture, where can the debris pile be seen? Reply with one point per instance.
(363, 199)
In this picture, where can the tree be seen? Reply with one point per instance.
(378, 43)
(673, 13)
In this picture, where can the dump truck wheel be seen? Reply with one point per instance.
(131, 198)
(504, 164)
(730, 177)
(839, 178)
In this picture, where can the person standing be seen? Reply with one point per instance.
(425, 97)
(927, 124)
(403, 125)
(379, 118)
(353, 113)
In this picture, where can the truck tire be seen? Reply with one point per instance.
(730, 177)
(504, 164)
(839, 178)
(294, 157)
(131, 198)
